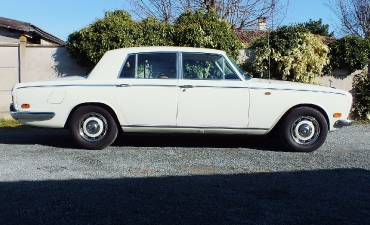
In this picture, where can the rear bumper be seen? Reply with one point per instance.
(342, 123)
(30, 115)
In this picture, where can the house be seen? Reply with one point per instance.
(11, 30)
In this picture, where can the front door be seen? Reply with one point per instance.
(210, 94)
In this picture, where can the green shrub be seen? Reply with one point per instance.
(118, 30)
(361, 94)
(206, 30)
(349, 52)
(115, 30)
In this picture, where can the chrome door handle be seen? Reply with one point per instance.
(187, 86)
(123, 85)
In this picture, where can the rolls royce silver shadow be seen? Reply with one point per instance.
(179, 90)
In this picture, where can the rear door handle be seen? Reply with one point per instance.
(187, 86)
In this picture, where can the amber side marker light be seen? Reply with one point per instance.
(337, 115)
(26, 106)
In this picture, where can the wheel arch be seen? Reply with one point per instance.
(318, 108)
(98, 104)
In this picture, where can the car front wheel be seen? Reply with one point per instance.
(93, 127)
(304, 129)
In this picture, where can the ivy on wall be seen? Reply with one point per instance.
(295, 55)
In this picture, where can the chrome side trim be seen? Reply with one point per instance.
(194, 127)
(342, 123)
(203, 86)
(291, 89)
(30, 115)
(69, 85)
(153, 85)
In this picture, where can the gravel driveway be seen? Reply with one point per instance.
(183, 179)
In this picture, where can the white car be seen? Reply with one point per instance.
(179, 90)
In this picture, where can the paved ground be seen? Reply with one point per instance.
(173, 179)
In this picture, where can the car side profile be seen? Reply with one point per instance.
(179, 90)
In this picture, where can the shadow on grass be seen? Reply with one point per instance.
(61, 138)
(339, 196)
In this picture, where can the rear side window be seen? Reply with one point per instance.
(150, 66)
(128, 69)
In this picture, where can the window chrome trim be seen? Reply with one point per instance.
(179, 66)
(136, 64)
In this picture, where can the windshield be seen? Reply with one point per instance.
(239, 69)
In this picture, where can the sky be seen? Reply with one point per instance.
(61, 18)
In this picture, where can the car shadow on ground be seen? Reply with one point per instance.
(339, 196)
(61, 138)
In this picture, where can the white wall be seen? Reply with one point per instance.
(31, 63)
(8, 74)
(45, 62)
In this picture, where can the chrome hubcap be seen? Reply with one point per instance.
(305, 130)
(93, 127)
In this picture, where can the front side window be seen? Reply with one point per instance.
(206, 67)
(150, 66)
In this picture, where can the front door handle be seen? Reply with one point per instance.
(123, 85)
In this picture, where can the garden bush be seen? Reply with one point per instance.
(361, 94)
(295, 55)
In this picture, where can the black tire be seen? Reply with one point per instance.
(93, 127)
(303, 130)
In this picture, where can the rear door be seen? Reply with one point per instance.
(146, 89)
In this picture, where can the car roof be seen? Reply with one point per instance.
(167, 48)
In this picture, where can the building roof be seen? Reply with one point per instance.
(28, 27)
(249, 36)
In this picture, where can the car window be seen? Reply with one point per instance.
(128, 69)
(206, 67)
(150, 66)
(229, 73)
(246, 76)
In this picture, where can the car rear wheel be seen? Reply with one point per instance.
(93, 127)
(303, 130)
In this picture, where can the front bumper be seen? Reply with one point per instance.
(342, 123)
(30, 115)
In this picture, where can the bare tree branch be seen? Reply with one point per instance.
(354, 16)
(241, 14)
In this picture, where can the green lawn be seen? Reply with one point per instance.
(9, 123)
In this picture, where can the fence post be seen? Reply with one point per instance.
(22, 57)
